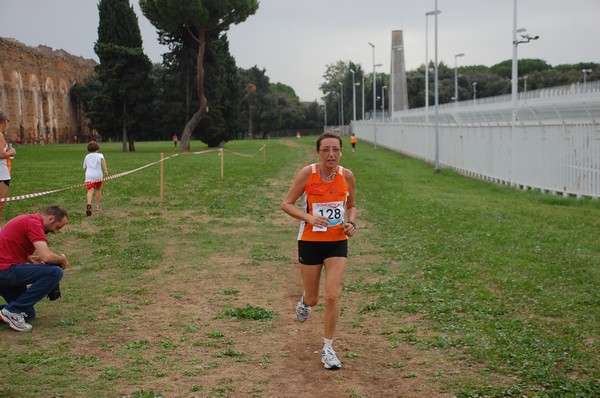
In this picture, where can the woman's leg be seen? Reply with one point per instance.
(3, 194)
(334, 274)
(311, 276)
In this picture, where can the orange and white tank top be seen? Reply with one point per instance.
(324, 199)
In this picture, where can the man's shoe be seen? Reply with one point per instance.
(15, 321)
(329, 359)
(88, 210)
(302, 311)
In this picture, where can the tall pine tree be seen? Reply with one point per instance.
(123, 102)
(197, 17)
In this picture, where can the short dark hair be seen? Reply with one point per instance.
(327, 135)
(93, 146)
(58, 212)
(3, 116)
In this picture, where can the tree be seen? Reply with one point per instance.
(314, 116)
(258, 111)
(197, 17)
(123, 72)
(168, 104)
(526, 66)
(181, 60)
(334, 75)
(415, 84)
(222, 85)
(340, 72)
(82, 94)
(291, 110)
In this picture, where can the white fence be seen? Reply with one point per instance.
(555, 145)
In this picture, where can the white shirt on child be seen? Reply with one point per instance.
(93, 166)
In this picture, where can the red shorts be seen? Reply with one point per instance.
(93, 184)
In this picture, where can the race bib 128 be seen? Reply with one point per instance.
(334, 211)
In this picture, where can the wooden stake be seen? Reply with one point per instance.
(222, 153)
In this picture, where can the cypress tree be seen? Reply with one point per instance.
(123, 103)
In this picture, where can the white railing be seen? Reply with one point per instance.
(554, 146)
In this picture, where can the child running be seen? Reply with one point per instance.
(94, 164)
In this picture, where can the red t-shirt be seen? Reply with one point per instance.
(17, 238)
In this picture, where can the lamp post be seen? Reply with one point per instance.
(374, 104)
(355, 85)
(342, 108)
(353, 96)
(383, 103)
(456, 75)
(363, 97)
(427, 14)
(339, 110)
(525, 38)
(437, 97)
(585, 73)
(474, 93)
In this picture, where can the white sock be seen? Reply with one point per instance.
(327, 343)
(303, 303)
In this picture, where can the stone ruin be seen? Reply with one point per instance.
(35, 92)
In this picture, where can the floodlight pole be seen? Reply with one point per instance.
(353, 96)
(374, 101)
(437, 98)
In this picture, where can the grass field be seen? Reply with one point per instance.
(496, 291)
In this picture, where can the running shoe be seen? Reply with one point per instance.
(88, 210)
(329, 359)
(15, 321)
(302, 311)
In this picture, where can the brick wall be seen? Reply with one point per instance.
(35, 86)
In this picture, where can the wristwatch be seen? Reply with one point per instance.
(353, 224)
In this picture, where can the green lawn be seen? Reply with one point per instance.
(510, 278)
(505, 283)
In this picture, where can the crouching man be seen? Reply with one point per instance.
(29, 270)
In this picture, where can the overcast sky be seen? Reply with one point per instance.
(294, 40)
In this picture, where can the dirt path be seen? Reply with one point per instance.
(173, 338)
(282, 358)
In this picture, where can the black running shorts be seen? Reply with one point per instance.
(315, 253)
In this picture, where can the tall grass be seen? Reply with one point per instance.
(510, 278)
(504, 281)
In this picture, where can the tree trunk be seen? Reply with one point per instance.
(188, 90)
(193, 122)
(251, 90)
(125, 141)
(250, 133)
(188, 101)
(131, 138)
(189, 127)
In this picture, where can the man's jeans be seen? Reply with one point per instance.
(14, 280)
